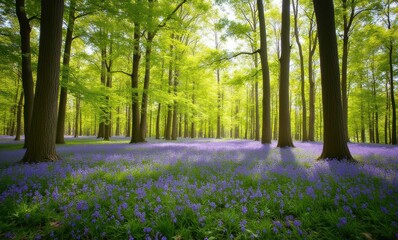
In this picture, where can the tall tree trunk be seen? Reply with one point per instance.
(313, 40)
(257, 113)
(170, 106)
(218, 104)
(19, 117)
(391, 68)
(335, 144)
(135, 135)
(174, 128)
(65, 75)
(304, 137)
(128, 121)
(117, 131)
(77, 111)
(27, 78)
(41, 144)
(266, 121)
(193, 130)
(285, 138)
(158, 121)
(108, 111)
(147, 77)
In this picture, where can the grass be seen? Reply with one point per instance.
(200, 190)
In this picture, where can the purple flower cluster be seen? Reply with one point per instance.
(233, 189)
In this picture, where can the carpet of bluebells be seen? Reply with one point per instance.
(200, 189)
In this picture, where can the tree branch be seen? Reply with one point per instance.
(126, 73)
(232, 57)
(83, 15)
(164, 21)
(33, 18)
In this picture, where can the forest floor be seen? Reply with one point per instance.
(198, 189)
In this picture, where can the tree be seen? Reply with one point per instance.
(285, 138)
(41, 144)
(300, 48)
(335, 144)
(27, 78)
(390, 48)
(65, 75)
(266, 128)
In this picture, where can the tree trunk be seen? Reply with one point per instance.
(169, 106)
(285, 138)
(135, 135)
(117, 131)
(19, 117)
(335, 144)
(266, 121)
(41, 145)
(313, 40)
(27, 78)
(174, 128)
(65, 75)
(391, 68)
(193, 130)
(144, 103)
(77, 111)
(257, 117)
(108, 111)
(158, 121)
(304, 137)
(128, 121)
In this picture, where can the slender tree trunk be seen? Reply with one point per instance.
(77, 111)
(128, 121)
(170, 106)
(193, 131)
(27, 78)
(158, 121)
(257, 119)
(135, 135)
(108, 111)
(285, 138)
(144, 103)
(81, 121)
(65, 75)
(117, 131)
(19, 117)
(266, 121)
(303, 101)
(41, 145)
(392, 95)
(312, 47)
(335, 144)
(174, 128)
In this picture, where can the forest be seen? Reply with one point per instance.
(180, 119)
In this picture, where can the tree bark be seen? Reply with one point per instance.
(77, 111)
(65, 75)
(266, 121)
(41, 145)
(158, 121)
(108, 109)
(27, 78)
(174, 128)
(312, 47)
(285, 138)
(335, 144)
(391, 73)
(169, 106)
(147, 77)
(19, 117)
(304, 137)
(135, 135)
